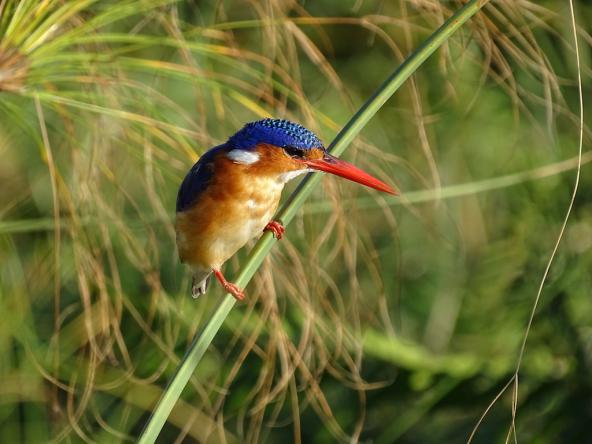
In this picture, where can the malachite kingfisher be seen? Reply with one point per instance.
(232, 192)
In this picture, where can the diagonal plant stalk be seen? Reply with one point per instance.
(203, 340)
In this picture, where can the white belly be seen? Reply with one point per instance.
(249, 218)
(213, 231)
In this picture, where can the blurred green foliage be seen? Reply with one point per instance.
(375, 319)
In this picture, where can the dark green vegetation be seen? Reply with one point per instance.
(375, 318)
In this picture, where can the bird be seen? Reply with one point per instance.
(231, 193)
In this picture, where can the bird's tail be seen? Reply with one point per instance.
(200, 282)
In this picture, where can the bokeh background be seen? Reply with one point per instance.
(376, 319)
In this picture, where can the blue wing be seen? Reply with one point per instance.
(197, 179)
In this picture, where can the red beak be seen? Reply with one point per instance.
(333, 165)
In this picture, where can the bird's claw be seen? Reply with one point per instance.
(231, 288)
(276, 228)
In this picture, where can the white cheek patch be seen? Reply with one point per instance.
(285, 177)
(242, 156)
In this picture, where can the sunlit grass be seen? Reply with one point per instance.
(401, 313)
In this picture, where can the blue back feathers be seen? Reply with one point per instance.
(198, 178)
(278, 132)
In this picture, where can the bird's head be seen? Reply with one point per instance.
(275, 146)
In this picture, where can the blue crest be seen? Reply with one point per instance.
(278, 132)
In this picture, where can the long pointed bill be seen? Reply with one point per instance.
(333, 165)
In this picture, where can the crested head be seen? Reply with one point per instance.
(277, 132)
(284, 149)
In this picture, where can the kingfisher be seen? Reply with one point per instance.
(231, 193)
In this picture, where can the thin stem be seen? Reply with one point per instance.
(288, 211)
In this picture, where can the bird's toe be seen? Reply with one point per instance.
(276, 228)
(235, 291)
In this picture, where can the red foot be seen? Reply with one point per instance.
(276, 228)
(229, 286)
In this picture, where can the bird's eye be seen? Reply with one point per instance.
(294, 152)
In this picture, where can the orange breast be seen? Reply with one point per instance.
(234, 208)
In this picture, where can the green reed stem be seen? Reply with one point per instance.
(203, 340)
